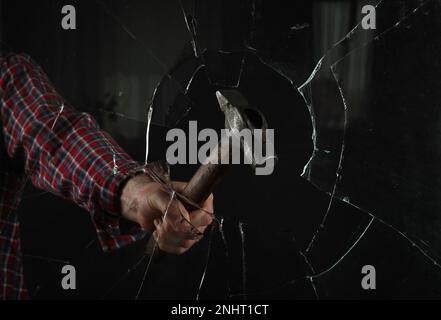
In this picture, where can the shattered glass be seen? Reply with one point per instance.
(356, 126)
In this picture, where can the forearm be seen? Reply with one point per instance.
(62, 150)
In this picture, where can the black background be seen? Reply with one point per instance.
(90, 66)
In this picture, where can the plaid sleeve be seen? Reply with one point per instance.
(63, 151)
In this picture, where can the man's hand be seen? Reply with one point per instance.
(145, 202)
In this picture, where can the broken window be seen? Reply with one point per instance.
(356, 122)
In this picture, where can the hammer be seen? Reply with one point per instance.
(238, 116)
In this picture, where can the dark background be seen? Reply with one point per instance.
(100, 67)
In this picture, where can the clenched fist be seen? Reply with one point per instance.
(145, 202)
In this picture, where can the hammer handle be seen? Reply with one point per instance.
(204, 181)
(209, 174)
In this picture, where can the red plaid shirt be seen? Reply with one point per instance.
(60, 150)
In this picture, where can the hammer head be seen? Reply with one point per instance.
(239, 116)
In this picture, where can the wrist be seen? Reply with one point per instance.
(129, 199)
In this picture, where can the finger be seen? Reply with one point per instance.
(155, 236)
(172, 244)
(187, 244)
(179, 186)
(166, 247)
(199, 218)
(203, 217)
(175, 236)
(163, 237)
(209, 204)
(177, 218)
